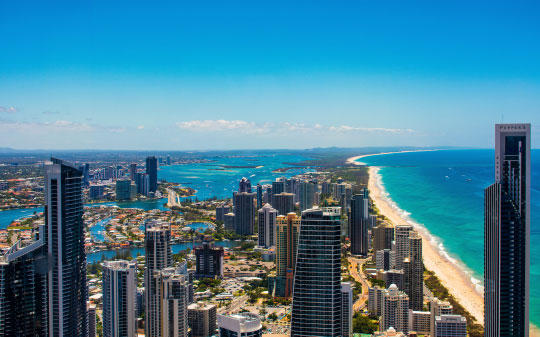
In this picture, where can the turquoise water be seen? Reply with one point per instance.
(209, 179)
(443, 191)
(213, 179)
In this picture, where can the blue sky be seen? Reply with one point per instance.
(265, 74)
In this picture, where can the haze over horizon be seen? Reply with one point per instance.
(184, 76)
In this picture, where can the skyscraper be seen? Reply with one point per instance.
(287, 230)
(278, 187)
(395, 310)
(202, 319)
(259, 196)
(413, 283)
(158, 255)
(119, 298)
(209, 260)
(132, 171)
(507, 234)
(67, 289)
(402, 244)
(123, 189)
(174, 303)
(151, 170)
(359, 221)
(306, 196)
(346, 309)
(267, 226)
(450, 326)
(23, 289)
(283, 203)
(383, 235)
(244, 185)
(316, 305)
(244, 213)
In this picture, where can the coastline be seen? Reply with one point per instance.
(450, 274)
(353, 160)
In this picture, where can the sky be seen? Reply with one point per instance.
(196, 75)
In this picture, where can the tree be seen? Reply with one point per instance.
(363, 324)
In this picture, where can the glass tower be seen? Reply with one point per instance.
(507, 234)
(317, 301)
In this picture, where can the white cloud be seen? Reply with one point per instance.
(8, 109)
(214, 125)
(59, 125)
(140, 127)
(239, 126)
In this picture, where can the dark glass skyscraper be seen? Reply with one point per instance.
(283, 203)
(151, 170)
(23, 289)
(359, 222)
(244, 185)
(317, 301)
(244, 213)
(64, 238)
(507, 234)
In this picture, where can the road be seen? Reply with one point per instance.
(355, 267)
(235, 305)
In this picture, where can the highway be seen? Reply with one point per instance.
(355, 269)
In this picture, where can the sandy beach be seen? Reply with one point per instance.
(353, 160)
(451, 275)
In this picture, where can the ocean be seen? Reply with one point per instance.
(443, 191)
(216, 179)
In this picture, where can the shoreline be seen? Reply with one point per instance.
(353, 160)
(453, 277)
(451, 274)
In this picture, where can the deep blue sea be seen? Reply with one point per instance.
(443, 191)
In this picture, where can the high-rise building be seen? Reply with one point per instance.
(239, 325)
(133, 171)
(287, 230)
(402, 244)
(244, 186)
(413, 268)
(67, 289)
(419, 321)
(119, 298)
(283, 203)
(209, 260)
(174, 303)
(316, 305)
(346, 309)
(278, 187)
(228, 221)
(451, 326)
(221, 210)
(383, 235)
(143, 183)
(375, 300)
(96, 191)
(259, 196)
(267, 226)
(438, 308)
(385, 259)
(123, 189)
(394, 276)
(151, 170)
(202, 319)
(306, 195)
(92, 320)
(507, 234)
(23, 289)
(359, 224)
(158, 256)
(244, 213)
(395, 310)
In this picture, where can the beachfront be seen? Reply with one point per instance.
(451, 274)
